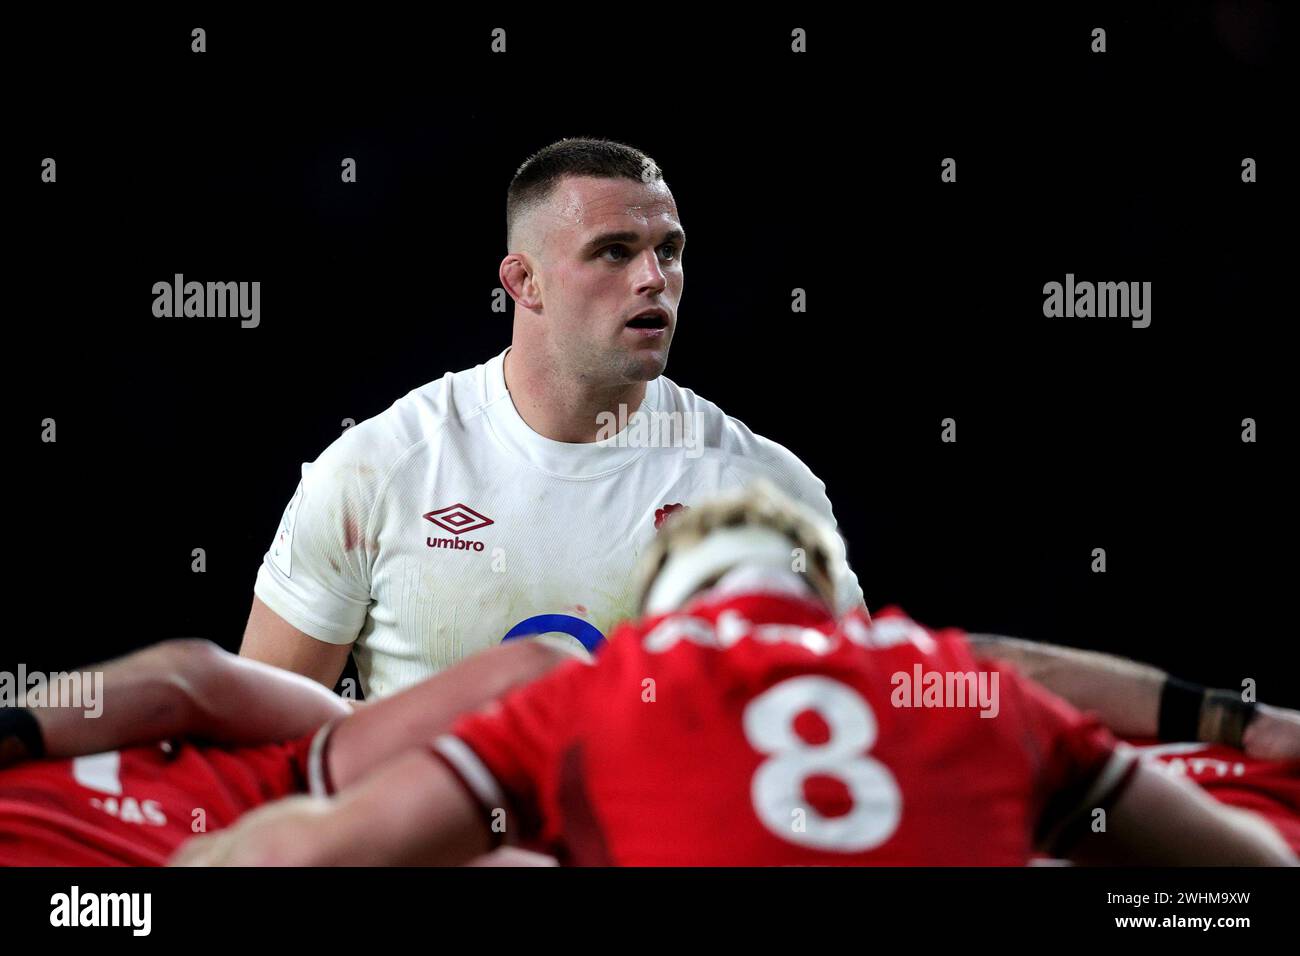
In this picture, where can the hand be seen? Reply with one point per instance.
(283, 833)
(1273, 734)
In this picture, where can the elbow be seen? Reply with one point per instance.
(192, 669)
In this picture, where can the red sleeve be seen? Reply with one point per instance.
(507, 754)
(1078, 765)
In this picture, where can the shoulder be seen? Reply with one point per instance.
(747, 454)
(371, 449)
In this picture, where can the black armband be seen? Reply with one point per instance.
(1192, 712)
(1180, 710)
(1225, 717)
(20, 736)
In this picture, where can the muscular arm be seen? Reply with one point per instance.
(412, 812)
(1123, 693)
(188, 688)
(413, 718)
(272, 640)
(396, 804)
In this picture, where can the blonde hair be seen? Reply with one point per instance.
(758, 506)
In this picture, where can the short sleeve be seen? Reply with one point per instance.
(508, 754)
(316, 573)
(1079, 766)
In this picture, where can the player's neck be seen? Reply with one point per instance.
(561, 409)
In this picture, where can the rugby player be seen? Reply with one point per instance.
(742, 723)
(191, 737)
(514, 498)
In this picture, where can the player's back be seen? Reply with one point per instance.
(135, 806)
(756, 731)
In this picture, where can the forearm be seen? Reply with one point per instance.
(187, 688)
(1124, 694)
(239, 701)
(139, 701)
(389, 727)
(411, 812)
(1138, 700)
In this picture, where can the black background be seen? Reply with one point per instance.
(818, 171)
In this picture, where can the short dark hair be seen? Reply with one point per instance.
(579, 156)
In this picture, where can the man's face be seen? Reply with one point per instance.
(611, 276)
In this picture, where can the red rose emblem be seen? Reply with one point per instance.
(662, 514)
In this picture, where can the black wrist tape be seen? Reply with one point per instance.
(20, 736)
(1180, 710)
(1229, 716)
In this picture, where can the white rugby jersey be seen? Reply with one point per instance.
(445, 524)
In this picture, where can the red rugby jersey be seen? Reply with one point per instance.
(757, 730)
(136, 806)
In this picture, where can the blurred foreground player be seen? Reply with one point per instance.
(741, 724)
(191, 737)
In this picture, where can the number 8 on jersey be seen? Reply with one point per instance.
(777, 789)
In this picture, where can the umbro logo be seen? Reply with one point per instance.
(457, 519)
